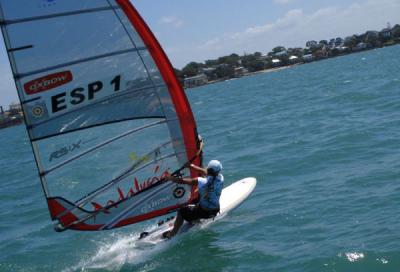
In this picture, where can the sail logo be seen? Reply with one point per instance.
(64, 151)
(154, 204)
(37, 111)
(64, 101)
(179, 192)
(47, 82)
(135, 189)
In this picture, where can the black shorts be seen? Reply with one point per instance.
(195, 212)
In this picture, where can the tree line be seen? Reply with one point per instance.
(227, 66)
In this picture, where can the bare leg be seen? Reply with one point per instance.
(177, 225)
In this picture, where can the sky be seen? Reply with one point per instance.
(191, 30)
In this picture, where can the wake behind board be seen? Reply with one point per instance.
(231, 197)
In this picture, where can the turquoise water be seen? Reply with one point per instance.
(322, 139)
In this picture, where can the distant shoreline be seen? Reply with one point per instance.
(265, 71)
(234, 66)
(271, 70)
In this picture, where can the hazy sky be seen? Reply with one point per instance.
(191, 30)
(200, 30)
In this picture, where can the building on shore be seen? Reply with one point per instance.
(386, 34)
(308, 58)
(276, 63)
(294, 59)
(11, 117)
(360, 46)
(195, 81)
(240, 71)
(321, 53)
(210, 72)
(15, 107)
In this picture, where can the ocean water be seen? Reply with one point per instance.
(323, 141)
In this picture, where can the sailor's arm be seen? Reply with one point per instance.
(199, 169)
(188, 181)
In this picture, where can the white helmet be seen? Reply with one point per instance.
(215, 165)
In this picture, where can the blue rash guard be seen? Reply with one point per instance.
(210, 189)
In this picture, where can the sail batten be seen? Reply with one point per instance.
(20, 48)
(105, 113)
(79, 203)
(87, 127)
(94, 148)
(129, 172)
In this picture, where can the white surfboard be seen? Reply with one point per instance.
(231, 197)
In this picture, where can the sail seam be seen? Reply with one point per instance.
(101, 145)
(125, 174)
(58, 66)
(84, 200)
(97, 125)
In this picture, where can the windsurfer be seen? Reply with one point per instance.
(210, 184)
